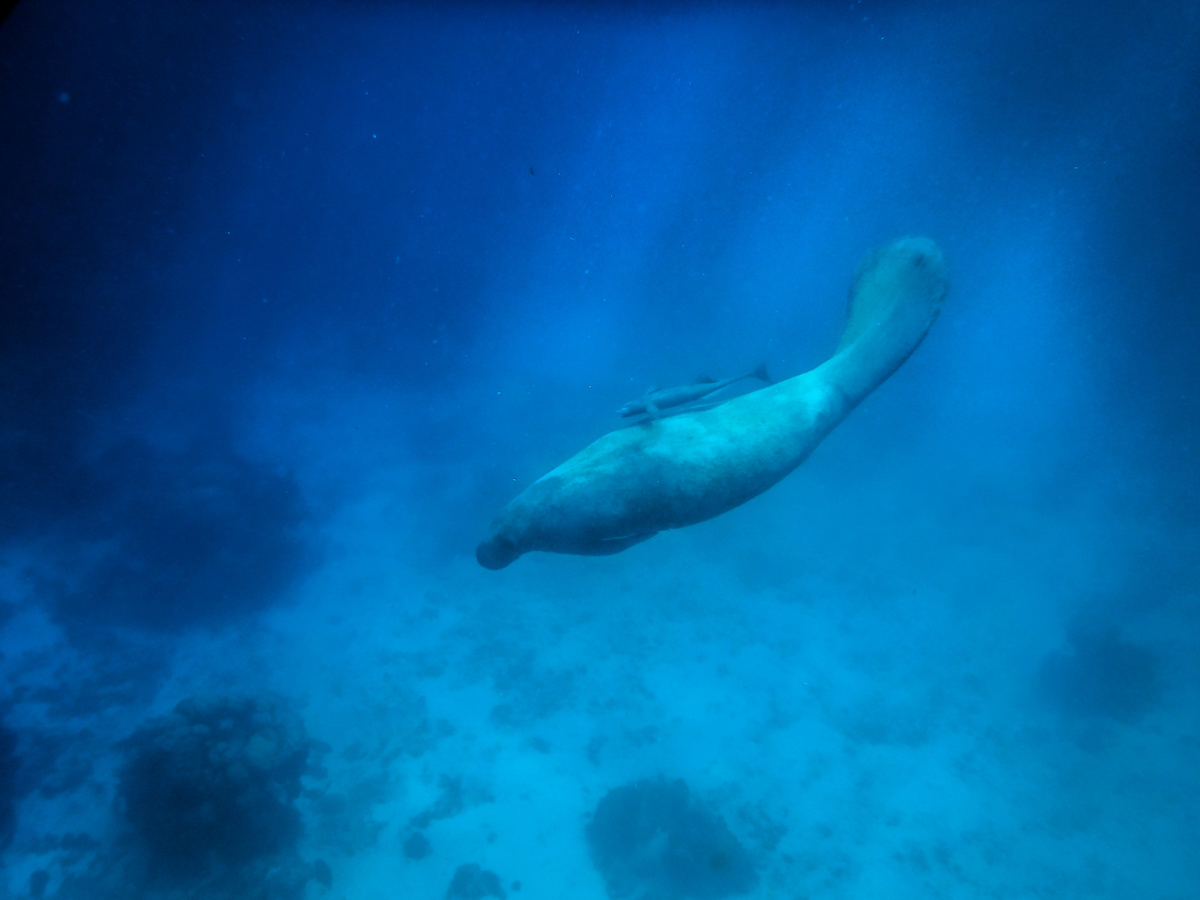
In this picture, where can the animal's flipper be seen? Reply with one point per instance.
(609, 546)
(761, 373)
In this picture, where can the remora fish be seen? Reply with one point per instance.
(654, 400)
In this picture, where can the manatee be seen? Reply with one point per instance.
(675, 471)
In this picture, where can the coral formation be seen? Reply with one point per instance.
(211, 788)
(9, 763)
(1102, 675)
(650, 839)
(181, 539)
(453, 800)
(471, 882)
(417, 846)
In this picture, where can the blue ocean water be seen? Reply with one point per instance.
(297, 295)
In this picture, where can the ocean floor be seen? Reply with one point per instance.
(871, 710)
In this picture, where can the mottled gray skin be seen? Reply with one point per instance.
(671, 472)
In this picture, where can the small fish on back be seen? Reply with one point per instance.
(655, 400)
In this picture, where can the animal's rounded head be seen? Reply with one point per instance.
(496, 552)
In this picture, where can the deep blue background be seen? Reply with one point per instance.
(294, 296)
(500, 222)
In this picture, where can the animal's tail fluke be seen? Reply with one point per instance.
(897, 293)
(761, 374)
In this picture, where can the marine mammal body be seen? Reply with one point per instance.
(654, 399)
(633, 483)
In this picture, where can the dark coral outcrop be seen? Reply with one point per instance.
(652, 839)
(210, 789)
(1101, 675)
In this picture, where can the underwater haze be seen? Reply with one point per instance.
(296, 296)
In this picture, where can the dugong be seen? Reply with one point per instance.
(676, 471)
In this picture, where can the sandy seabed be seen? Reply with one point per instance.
(859, 703)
